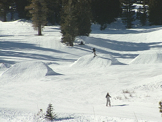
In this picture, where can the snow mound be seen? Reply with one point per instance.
(98, 61)
(27, 71)
(148, 57)
(4, 65)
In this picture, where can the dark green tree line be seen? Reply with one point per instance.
(75, 20)
(105, 11)
(142, 12)
(155, 12)
(76, 16)
(5, 7)
(54, 8)
(128, 12)
(20, 8)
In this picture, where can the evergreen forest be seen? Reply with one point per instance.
(76, 16)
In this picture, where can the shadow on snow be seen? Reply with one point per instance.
(106, 44)
(120, 105)
(64, 118)
(146, 29)
(8, 47)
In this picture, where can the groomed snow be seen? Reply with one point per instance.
(38, 70)
(148, 57)
(99, 61)
(26, 71)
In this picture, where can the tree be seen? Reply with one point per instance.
(128, 12)
(38, 10)
(5, 6)
(105, 11)
(160, 104)
(20, 7)
(49, 113)
(39, 117)
(142, 12)
(68, 25)
(155, 12)
(83, 15)
(54, 8)
(75, 20)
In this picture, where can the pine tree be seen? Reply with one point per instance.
(20, 7)
(49, 113)
(105, 11)
(83, 17)
(39, 117)
(144, 16)
(54, 8)
(75, 20)
(155, 12)
(128, 12)
(142, 12)
(68, 25)
(160, 104)
(5, 6)
(38, 10)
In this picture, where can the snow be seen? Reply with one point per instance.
(99, 61)
(26, 71)
(148, 57)
(38, 70)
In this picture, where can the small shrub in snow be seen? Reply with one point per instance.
(128, 92)
(118, 97)
(49, 113)
(160, 103)
(39, 117)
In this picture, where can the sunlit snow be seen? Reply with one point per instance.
(38, 70)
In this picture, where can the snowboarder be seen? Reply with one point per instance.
(108, 99)
(94, 51)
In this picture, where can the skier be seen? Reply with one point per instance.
(94, 51)
(108, 99)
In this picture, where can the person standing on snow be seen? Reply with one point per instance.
(108, 99)
(94, 51)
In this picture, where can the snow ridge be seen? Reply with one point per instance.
(25, 71)
(100, 61)
(148, 57)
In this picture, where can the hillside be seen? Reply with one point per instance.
(38, 70)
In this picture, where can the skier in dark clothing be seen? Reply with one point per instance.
(108, 99)
(94, 51)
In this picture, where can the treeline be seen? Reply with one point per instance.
(76, 16)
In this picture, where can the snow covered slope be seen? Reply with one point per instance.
(148, 57)
(89, 61)
(26, 71)
(38, 70)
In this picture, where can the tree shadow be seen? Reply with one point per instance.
(30, 56)
(120, 105)
(8, 50)
(104, 45)
(6, 35)
(64, 118)
(9, 45)
(127, 31)
(120, 45)
(7, 62)
(53, 29)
